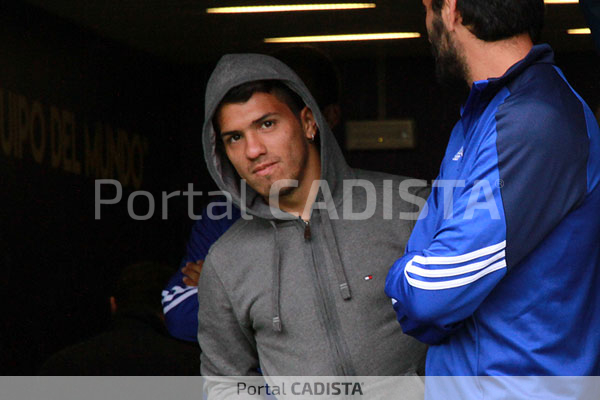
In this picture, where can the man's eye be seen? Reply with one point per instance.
(233, 138)
(268, 124)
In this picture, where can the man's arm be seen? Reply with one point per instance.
(180, 308)
(179, 299)
(435, 288)
(228, 346)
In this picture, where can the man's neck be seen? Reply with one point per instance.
(299, 202)
(487, 60)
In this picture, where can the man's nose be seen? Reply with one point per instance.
(254, 146)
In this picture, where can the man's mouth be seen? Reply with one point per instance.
(264, 168)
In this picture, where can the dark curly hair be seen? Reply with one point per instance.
(242, 93)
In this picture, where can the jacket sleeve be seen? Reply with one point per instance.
(228, 347)
(180, 308)
(180, 302)
(505, 207)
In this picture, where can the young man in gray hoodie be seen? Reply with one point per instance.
(296, 286)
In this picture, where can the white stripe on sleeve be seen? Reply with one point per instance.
(180, 299)
(455, 282)
(486, 251)
(441, 273)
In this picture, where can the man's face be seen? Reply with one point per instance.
(266, 142)
(450, 63)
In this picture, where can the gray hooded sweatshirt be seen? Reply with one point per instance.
(301, 299)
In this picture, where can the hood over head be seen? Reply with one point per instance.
(233, 70)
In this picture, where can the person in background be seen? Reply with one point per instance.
(138, 342)
(502, 276)
(179, 298)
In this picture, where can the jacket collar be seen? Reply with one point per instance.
(484, 90)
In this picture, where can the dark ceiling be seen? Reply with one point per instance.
(181, 31)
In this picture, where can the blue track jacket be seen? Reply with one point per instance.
(180, 302)
(502, 276)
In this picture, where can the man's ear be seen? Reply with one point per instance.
(450, 15)
(309, 125)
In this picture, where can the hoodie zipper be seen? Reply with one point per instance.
(332, 330)
(307, 233)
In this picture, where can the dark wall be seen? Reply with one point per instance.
(582, 69)
(75, 108)
(411, 92)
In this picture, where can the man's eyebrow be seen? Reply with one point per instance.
(230, 133)
(257, 121)
(264, 117)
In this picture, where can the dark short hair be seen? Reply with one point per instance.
(492, 20)
(242, 93)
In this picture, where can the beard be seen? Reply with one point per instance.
(450, 64)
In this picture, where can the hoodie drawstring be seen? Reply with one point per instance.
(335, 253)
(337, 261)
(276, 281)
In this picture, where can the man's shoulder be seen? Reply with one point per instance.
(541, 110)
(540, 96)
(238, 239)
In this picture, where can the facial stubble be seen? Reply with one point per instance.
(450, 66)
